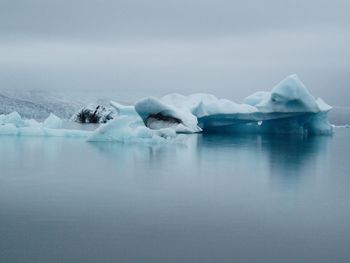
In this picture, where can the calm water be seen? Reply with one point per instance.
(213, 199)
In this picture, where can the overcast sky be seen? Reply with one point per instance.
(225, 47)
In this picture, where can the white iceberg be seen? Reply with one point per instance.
(12, 118)
(13, 125)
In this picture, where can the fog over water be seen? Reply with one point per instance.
(228, 48)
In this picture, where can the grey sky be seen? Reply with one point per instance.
(229, 48)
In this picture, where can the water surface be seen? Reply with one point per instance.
(211, 199)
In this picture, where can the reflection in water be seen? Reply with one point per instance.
(146, 154)
(294, 157)
(210, 199)
(289, 158)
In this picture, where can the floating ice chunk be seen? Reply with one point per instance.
(8, 129)
(288, 108)
(153, 111)
(53, 122)
(130, 129)
(12, 118)
(13, 125)
(17, 121)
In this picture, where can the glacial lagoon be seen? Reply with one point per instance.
(212, 198)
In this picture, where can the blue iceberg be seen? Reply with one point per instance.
(288, 108)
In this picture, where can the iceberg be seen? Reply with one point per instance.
(14, 125)
(288, 108)
(120, 129)
(12, 118)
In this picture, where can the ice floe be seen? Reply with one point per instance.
(14, 125)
